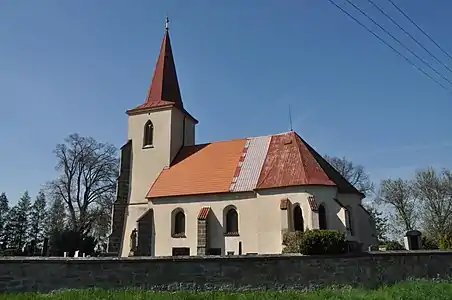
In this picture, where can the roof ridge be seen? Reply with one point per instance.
(245, 138)
(299, 141)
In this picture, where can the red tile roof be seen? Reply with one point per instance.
(200, 169)
(276, 161)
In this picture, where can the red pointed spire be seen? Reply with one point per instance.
(165, 86)
(164, 89)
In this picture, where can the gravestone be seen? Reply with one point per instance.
(412, 240)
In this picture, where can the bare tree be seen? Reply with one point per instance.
(434, 190)
(398, 194)
(355, 174)
(87, 177)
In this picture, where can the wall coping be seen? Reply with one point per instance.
(140, 259)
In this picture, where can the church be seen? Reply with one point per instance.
(176, 197)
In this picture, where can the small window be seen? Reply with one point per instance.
(322, 217)
(232, 222)
(298, 223)
(178, 223)
(148, 139)
(181, 251)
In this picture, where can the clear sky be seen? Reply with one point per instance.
(77, 66)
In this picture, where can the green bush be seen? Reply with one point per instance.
(445, 242)
(322, 242)
(429, 243)
(291, 241)
(394, 246)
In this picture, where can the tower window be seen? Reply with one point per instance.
(148, 139)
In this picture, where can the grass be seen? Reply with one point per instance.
(411, 290)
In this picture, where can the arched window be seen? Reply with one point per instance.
(322, 217)
(178, 223)
(348, 219)
(148, 138)
(232, 221)
(298, 223)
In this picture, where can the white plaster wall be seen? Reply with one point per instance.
(367, 233)
(148, 162)
(259, 219)
(361, 223)
(244, 203)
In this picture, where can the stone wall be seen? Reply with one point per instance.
(275, 272)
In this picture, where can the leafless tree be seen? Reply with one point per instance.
(354, 173)
(434, 190)
(86, 181)
(398, 194)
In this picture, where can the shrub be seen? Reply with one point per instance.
(291, 241)
(322, 242)
(394, 246)
(429, 243)
(445, 242)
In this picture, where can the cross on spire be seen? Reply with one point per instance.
(167, 23)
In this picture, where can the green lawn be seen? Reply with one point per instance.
(421, 290)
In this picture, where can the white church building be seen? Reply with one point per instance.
(175, 197)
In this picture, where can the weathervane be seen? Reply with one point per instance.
(166, 23)
(290, 119)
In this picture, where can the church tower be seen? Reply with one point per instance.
(159, 127)
(157, 130)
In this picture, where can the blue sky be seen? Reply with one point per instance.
(77, 66)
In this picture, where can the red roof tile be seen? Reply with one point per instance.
(281, 160)
(203, 213)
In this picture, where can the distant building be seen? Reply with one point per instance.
(230, 197)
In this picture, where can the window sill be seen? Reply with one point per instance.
(148, 146)
(231, 234)
(178, 236)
